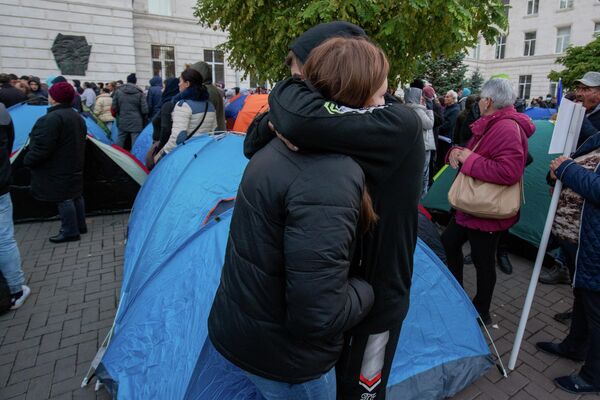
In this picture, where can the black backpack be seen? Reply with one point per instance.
(4, 295)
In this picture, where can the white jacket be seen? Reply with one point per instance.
(427, 121)
(186, 115)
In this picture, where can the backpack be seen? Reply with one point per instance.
(5, 302)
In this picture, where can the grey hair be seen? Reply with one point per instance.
(453, 94)
(500, 91)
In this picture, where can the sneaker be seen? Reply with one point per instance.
(504, 263)
(17, 299)
(486, 319)
(555, 275)
(564, 317)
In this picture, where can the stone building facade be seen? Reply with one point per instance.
(539, 31)
(141, 36)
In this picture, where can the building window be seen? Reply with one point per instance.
(506, 4)
(565, 4)
(215, 59)
(597, 28)
(552, 88)
(563, 39)
(529, 49)
(524, 86)
(163, 61)
(500, 47)
(160, 7)
(533, 7)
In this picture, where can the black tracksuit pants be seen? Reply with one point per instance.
(363, 369)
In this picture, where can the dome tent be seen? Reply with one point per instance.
(177, 237)
(112, 177)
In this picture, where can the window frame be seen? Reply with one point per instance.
(565, 4)
(596, 32)
(525, 86)
(500, 48)
(529, 44)
(213, 63)
(159, 6)
(532, 7)
(163, 51)
(561, 39)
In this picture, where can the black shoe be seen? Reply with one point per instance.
(575, 384)
(564, 317)
(467, 259)
(554, 349)
(60, 238)
(83, 231)
(486, 319)
(504, 263)
(555, 275)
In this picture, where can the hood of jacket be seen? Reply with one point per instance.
(484, 123)
(156, 81)
(130, 88)
(205, 70)
(413, 95)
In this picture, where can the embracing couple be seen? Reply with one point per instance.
(318, 265)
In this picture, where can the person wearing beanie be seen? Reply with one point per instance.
(130, 107)
(56, 158)
(385, 142)
(215, 96)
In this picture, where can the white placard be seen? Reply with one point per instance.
(561, 129)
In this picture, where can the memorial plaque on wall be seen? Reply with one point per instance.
(72, 54)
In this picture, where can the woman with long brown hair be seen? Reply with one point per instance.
(286, 283)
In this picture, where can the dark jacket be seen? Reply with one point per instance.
(56, 155)
(285, 298)
(387, 143)
(587, 184)
(154, 95)
(10, 95)
(162, 123)
(215, 96)
(131, 108)
(450, 114)
(7, 138)
(462, 129)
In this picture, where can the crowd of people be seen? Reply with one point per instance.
(319, 260)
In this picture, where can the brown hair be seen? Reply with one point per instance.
(347, 70)
(367, 218)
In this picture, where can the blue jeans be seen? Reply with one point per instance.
(10, 259)
(322, 388)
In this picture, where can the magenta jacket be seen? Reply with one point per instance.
(500, 158)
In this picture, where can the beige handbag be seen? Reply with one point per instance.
(484, 199)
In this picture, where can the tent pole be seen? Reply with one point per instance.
(535, 276)
(576, 120)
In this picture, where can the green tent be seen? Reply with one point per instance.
(537, 193)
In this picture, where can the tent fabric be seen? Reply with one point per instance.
(536, 113)
(112, 177)
(143, 143)
(253, 105)
(173, 261)
(537, 193)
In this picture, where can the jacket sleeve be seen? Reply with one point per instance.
(181, 119)
(115, 103)
(382, 136)
(319, 231)
(429, 121)
(258, 135)
(143, 105)
(581, 180)
(506, 165)
(43, 142)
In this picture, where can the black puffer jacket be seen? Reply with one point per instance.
(285, 298)
(7, 138)
(56, 155)
(388, 145)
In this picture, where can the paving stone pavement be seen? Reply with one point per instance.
(46, 346)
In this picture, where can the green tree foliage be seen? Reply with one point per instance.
(475, 82)
(261, 30)
(444, 73)
(577, 61)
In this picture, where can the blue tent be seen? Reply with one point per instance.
(540, 113)
(112, 177)
(178, 232)
(143, 143)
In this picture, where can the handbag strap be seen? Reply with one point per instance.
(201, 122)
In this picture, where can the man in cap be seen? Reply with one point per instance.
(386, 254)
(56, 158)
(588, 93)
